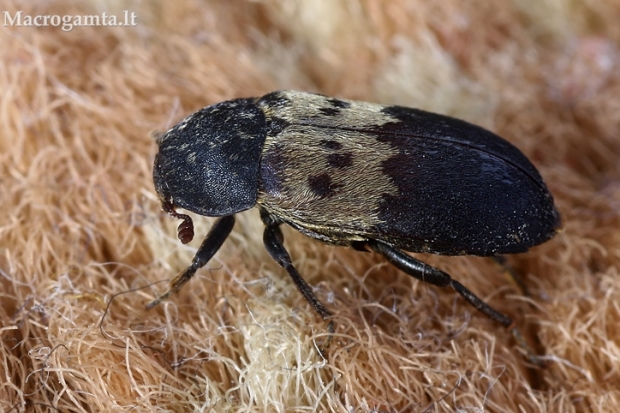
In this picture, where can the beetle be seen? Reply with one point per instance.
(383, 178)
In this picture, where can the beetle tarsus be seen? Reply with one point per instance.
(330, 336)
(533, 358)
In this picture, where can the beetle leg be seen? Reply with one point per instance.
(273, 243)
(211, 244)
(501, 261)
(432, 275)
(273, 238)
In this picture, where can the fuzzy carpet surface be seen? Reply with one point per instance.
(84, 245)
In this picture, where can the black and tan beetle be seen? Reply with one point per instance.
(363, 175)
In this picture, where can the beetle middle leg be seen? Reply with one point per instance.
(432, 275)
(273, 240)
(501, 261)
(211, 244)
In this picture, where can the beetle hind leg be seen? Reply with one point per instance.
(432, 275)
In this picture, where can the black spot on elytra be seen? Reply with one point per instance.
(340, 160)
(276, 125)
(337, 103)
(333, 145)
(329, 111)
(275, 100)
(321, 185)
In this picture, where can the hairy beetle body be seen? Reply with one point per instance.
(345, 171)
(354, 174)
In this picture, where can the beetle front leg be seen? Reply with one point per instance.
(432, 275)
(211, 244)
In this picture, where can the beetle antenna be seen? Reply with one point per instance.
(185, 231)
